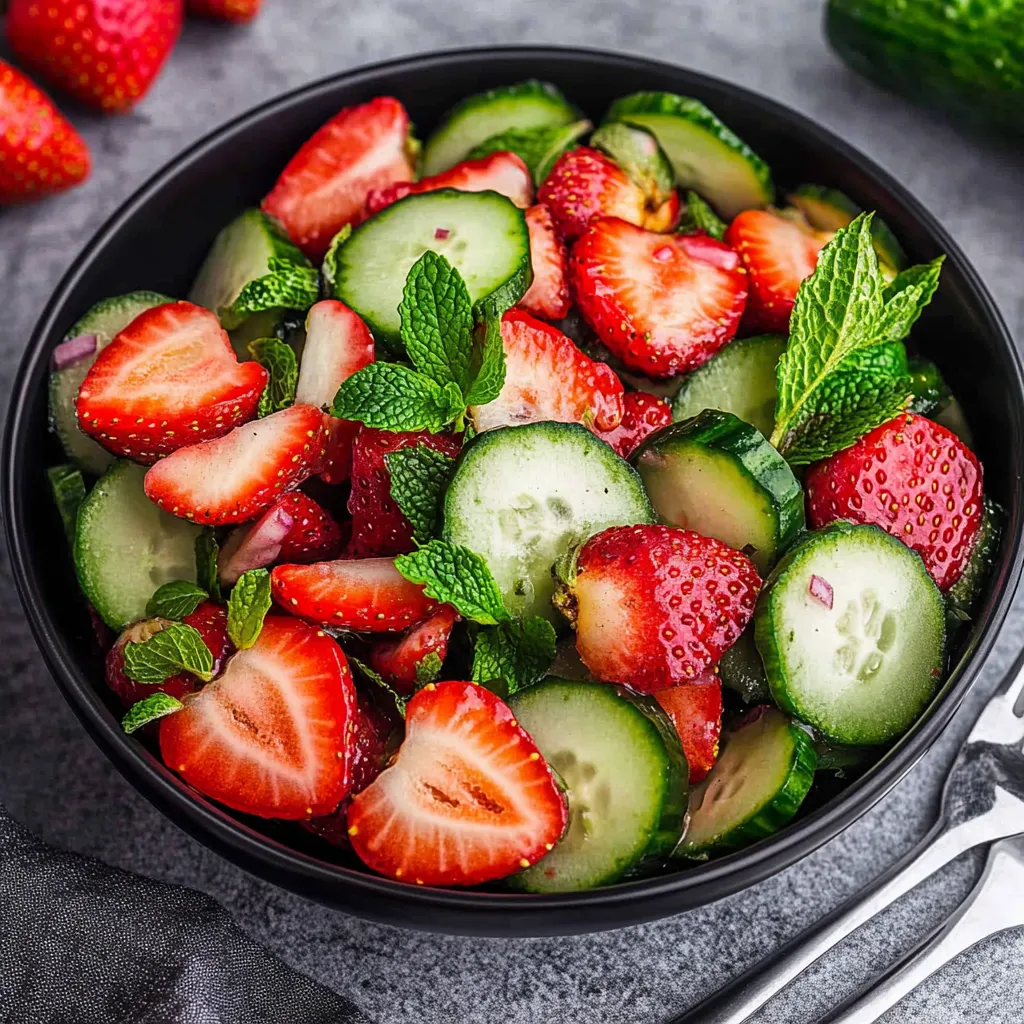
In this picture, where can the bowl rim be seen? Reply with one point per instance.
(478, 911)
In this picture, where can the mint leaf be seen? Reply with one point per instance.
(636, 151)
(175, 600)
(437, 321)
(207, 550)
(329, 268)
(248, 606)
(520, 653)
(288, 285)
(428, 668)
(538, 148)
(419, 478)
(68, 492)
(278, 359)
(377, 680)
(389, 396)
(490, 377)
(149, 710)
(457, 576)
(925, 275)
(178, 648)
(905, 298)
(700, 217)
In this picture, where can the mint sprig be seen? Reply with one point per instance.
(248, 605)
(286, 285)
(178, 648)
(699, 217)
(518, 652)
(278, 359)
(175, 600)
(390, 396)
(207, 550)
(419, 478)
(141, 713)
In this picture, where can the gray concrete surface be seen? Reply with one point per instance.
(55, 780)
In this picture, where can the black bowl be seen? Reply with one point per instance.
(157, 241)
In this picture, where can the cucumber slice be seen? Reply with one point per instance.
(739, 379)
(718, 476)
(963, 595)
(929, 390)
(125, 547)
(637, 152)
(521, 497)
(106, 319)
(626, 780)
(863, 669)
(487, 241)
(757, 784)
(742, 671)
(704, 153)
(530, 104)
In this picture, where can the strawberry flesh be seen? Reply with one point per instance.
(695, 710)
(642, 414)
(548, 294)
(237, 11)
(398, 661)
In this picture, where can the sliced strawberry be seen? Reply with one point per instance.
(548, 378)
(272, 735)
(378, 526)
(469, 798)
(696, 712)
(664, 304)
(642, 414)
(169, 379)
(324, 186)
(337, 345)
(548, 295)
(234, 478)
(399, 661)
(314, 536)
(500, 172)
(365, 594)
(778, 253)
(584, 184)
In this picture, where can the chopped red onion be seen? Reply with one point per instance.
(664, 254)
(441, 233)
(74, 350)
(253, 547)
(821, 590)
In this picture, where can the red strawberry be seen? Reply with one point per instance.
(914, 479)
(378, 526)
(398, 661)
(40, 151)
(365, 594)
(654, 606)
(106, 53)
(548, 295)
(234, 478)
(337, 344)
(238, 11)
(315, 536)
(584, 184)
(500, 172)
(468, 800)
(696, 711)
(212, 622)
(664, 304)
(272, 736)
(168, 380)
(642, 414)
(548, 378)
(778, 253)
(325, 184)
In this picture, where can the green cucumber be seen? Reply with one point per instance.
(538, 148)
(705, 154)
(522, 497)
(637, 152)
(742, 671)
(963, 595)
(68, 489)
(718, 476)
(105, 320)
(487, 241)
(930, 392)
(758, 783)
(861, 656)
(126, 548)
(740, 379)
(530, 104)
(625, 776)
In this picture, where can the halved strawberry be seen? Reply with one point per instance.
(778, 253)
(500, 172)
(548, 378)
(664, 304)
(365, 594)
(169, 379)
(696, 711)
(233, 478)
(642, 414)
(469, 798)
(378, 526)
(584, 184)
(272, 735)
(548, 295)
(314, 536)
(324, 186)
(337, 344)
(399, 661)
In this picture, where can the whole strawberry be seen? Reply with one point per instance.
(642, 414)
(106, 53)
(654, 606)
(40, 152)
(238, 11)
(913, 478)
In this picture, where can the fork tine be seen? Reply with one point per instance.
(997, 723)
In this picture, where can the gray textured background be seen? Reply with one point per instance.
(55, 780)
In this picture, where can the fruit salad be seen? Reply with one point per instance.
(543, 506)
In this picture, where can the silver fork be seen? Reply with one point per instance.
(982, 802)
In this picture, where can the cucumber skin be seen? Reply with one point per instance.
(970, 65)
(963, 595)
(740, 669)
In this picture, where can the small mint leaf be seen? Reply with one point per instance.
(490, 377)
(149, 710)
(175, 600)
(700, 217)
(207, 550)
(428, 668)
(419, 478)
(378, 681)
(288, 285)
(520, 653)
(905, 299)
(389, 396)
(68, 493)
(278, 359)
(248, 605)
(329, 268)
(178, 648)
